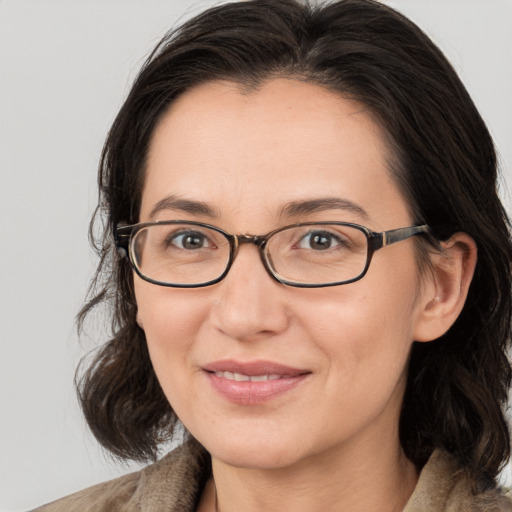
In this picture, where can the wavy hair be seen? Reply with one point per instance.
(444, 161)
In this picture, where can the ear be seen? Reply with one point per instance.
(445, 287)
(139, 321)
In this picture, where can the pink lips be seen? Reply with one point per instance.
(253, 382)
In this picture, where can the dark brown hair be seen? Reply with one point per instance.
(444, 162)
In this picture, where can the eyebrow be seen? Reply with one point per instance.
(292, 209)
(297, 208)
(176, 203)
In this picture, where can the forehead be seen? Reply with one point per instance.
(249, 152)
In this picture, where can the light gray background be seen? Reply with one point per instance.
(65, 67)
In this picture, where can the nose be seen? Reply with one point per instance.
(249, 303)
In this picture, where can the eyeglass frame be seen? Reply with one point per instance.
(375, 240)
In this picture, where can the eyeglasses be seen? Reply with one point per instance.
(306, 255)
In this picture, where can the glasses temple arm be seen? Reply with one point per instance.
(379, 240)
(122, 238)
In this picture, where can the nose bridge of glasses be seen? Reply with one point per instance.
(257, 240)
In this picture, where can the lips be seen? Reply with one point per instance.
(241, 377)
(253, 383)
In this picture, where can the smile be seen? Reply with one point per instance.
(240, 377)
(253, 383)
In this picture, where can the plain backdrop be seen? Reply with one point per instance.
(65, 67)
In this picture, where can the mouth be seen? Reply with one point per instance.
(253, 383)
(240, 377)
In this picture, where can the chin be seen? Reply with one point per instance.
(262, 451)
(260, 457)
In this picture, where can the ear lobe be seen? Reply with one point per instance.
(445, 287)
(139, 321)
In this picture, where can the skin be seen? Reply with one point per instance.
(247, 155)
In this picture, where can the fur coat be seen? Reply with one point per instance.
(174, 484)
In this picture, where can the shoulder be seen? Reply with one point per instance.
(173, 483)
(443, 487)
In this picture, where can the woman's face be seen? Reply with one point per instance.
(239, 159)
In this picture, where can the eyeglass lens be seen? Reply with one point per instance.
(188, 254)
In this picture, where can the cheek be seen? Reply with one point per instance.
(365, 326)
(171, 320)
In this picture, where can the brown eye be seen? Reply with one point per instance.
(189, 240)
(320, 241)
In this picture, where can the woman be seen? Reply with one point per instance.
(309, 267)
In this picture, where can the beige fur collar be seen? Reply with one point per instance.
(443, 488)
(174, 484)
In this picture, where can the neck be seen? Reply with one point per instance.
(378, 479)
